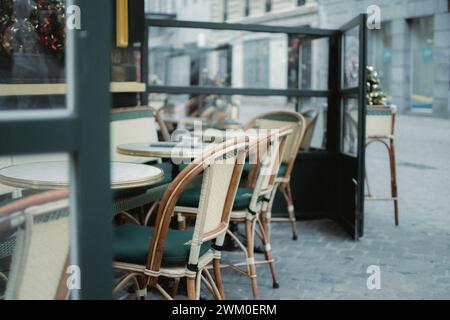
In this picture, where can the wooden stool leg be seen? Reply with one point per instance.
(191, 288)
(218, 277)
(268, 253)
(250, 235)
(369, 192)
(287, 192)
(394, 179)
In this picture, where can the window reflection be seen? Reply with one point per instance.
(350, 127)
(351, 58)
(32, 51)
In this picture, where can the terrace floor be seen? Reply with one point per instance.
(414, 258)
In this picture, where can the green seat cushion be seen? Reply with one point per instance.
(133, 192)
(283, 169)
(281, 172)
(131, 245)
(167, 168)
(191, 198)
(128, 193)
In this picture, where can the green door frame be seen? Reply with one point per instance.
(82, 132)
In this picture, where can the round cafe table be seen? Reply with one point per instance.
(177, 152)
(55, 175)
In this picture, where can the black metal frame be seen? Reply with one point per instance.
(297, 31)
(329, 159)
(349, 179)
(82, 132)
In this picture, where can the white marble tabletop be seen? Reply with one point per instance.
(54, 175)
(165, 150)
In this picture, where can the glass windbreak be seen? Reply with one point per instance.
(32, 55)
(350, 120)
(218, 58)
(351, 58)
(315, 111)
(233, 111)
(34, 240)
(216, 107)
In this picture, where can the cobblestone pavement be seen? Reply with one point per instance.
(414, 258)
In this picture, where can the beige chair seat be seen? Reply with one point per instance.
(170, 272)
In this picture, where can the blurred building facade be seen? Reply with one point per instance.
(411, 51)
(242, 59)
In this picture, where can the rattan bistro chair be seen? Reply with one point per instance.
(380, 127)
(137, 125)
(40, 224)
(251, 203)
(277, 120)
(149, 253)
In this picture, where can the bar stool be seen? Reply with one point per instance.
(381, 128)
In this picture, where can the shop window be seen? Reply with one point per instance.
(268, 7)
(247, 8)
(256, 63)
(225, 10)
(422, 64)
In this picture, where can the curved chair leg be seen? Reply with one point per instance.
(218, 277)
(136, 284)
(191, 288)
(211, 284)
(394, 179)
(250, 235)
(150, 212)
(290, 202)
(268, 253)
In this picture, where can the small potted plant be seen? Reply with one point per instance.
(379, 113)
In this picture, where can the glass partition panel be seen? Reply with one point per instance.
(214, 110)
(315, 111)
(218, 58)
(237, 107)
(350, 122)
